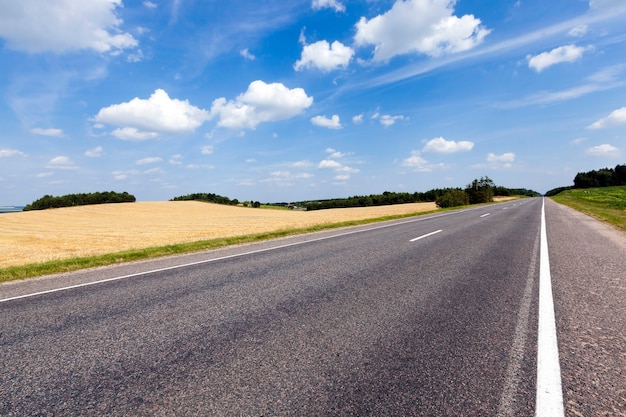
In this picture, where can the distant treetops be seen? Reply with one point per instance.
(478, 191)
(604, 177)
(69, 200)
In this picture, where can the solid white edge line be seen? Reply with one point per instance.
(426, 235)
(485, 215)
(549, 400)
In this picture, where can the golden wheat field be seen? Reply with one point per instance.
(39, 236)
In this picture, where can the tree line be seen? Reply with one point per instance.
(604, 177)
(208, 198)
(70, 200)
(479, 191)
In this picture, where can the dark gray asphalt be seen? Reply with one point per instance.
(366, 323)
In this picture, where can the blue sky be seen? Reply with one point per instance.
(276, 101)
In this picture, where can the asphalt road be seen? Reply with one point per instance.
(434, 315)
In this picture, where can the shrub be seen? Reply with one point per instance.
(452, 198)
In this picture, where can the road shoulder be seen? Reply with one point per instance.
(587, 261)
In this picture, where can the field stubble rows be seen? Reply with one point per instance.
(40, 236)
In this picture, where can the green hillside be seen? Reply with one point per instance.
(606, 203)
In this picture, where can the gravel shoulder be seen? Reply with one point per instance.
(588, 264)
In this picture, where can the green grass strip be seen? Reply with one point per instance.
(70, 265)
(607, 204)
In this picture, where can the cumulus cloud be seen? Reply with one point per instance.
(328, 4)
(567, 53)
(617, 117)
(441, 145)
(323, 121)
(604, 150)
(60, 26)
(334, 154)
(260, 103)
(388, 120)
(419, 26)
(358, 119)
(96, 152)
(143, 119)
(504, 160)
(324, 56)
(61, 162)
(342, 171)
(131, 133)
(417, 162)
(47, 132)
(337, 166)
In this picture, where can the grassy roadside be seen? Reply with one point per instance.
(607, 204)
(69, 265)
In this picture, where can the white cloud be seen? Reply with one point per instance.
(505, 157)
(148, 160)
(247, 55)
(342, 170)
(416, 162)
(419, 26)
(504, 160)
(324, 56)
(260, 103)
(604, 150)
(441, 145)
(605, 4)
(302, 164)
(617, 117)
(330, 4)
(147, 119)
(323, 121)
(61, 162)
(567, 53)
(388, 120)
(5, 153)
(578, 31)
(131, 133)
(289, 175)
(334, 154)
(358, 119)
(47, 132)
(150, 5)
(207, 150)
(63, 25)
(176, 160)
(96, 152)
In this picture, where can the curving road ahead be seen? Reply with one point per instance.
(433, 315)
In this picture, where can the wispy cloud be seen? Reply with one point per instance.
(606, 79)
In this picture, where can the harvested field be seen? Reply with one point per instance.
(39, 236)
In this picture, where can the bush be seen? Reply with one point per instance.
(453, 198)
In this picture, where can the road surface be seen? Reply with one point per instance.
(433, 315)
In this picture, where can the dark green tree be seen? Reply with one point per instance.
(480, 190)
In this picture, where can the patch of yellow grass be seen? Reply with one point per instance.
(39, 236)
